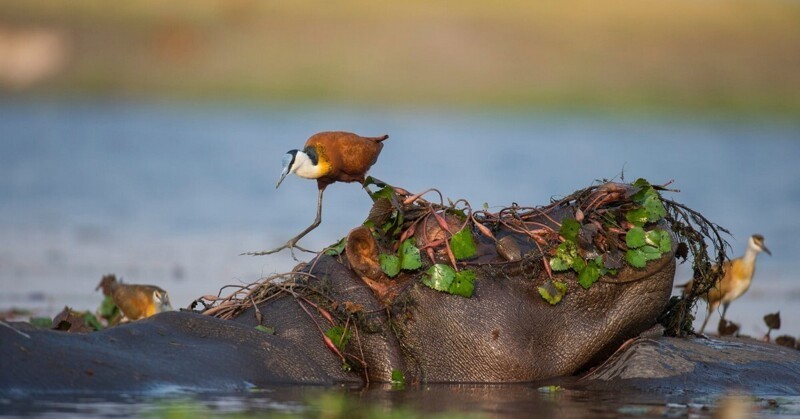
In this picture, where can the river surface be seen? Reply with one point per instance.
(171, 194)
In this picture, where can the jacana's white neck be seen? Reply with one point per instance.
(752, 251)
(305, 168)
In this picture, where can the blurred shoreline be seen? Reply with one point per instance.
(683, 57)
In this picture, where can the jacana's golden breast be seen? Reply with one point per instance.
(323, 159)
(741, 270)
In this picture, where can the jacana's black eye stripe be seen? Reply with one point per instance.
(312, 154)
(293, 153)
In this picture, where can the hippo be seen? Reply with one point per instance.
(504, 333)
(397, 326)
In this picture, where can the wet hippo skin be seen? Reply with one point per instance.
(176, 349)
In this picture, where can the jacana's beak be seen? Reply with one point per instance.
(764, 248)
(283, 176)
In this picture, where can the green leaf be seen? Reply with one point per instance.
(108, 309)
(643, 186)
(372, 181)
(463, 283)
(589, 275)
(651, 252)
(569, 229)
(567, 251)
(41, 322)
(463, 245)
(553, 291)
(665, 244)
(659, 239)
(439, 277)
(91, 320)
(635, 237)
(398, 380)
(336, 249)
(339, 336)
(636, 258)
(383, 193)
(270, 330)
(398, 377)
(390, 264)
(559, 265)
(394, 223)
(637, 217)
(655, 209)
(409, 255)
(650, 203)
(578, 264)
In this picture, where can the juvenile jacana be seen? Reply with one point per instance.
(738, 274)
(135, 301)
(329, 157)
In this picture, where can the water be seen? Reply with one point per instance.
(172, 194)
(457, 400)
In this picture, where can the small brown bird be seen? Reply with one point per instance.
(738, 274)
(135, 301)
(329, 157)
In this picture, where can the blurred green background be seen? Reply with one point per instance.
(629, 56)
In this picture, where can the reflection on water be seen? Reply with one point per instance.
(464, 400)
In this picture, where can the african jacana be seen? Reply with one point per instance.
(329, 157)
(135, 301)
(738, 274)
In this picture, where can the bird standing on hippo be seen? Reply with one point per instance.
(135, 301)
(328, 157)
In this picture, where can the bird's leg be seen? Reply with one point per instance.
(724, 310)
(292, 243)
(711, 308)
(705, 322)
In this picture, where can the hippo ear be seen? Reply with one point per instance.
(362, 253)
